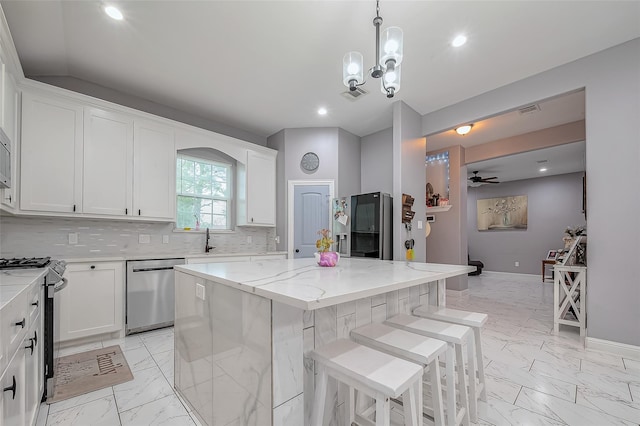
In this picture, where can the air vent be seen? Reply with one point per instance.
(355, 94)
(529, 109)
(541, 161)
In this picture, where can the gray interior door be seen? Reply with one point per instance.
(310, 214)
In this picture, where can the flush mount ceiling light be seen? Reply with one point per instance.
(543, 169)
(113, 12)
(322, 111)
(388, 61)
(463, 130)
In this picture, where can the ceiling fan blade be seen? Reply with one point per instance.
(490, 181)
(493, 177)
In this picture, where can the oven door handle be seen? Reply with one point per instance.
(62, 284)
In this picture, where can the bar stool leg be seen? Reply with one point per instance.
(409, 404)
(383, 411)
(473, 391)
(478, 336)
(462, 383)
(451, 387)
(351, 405)
(320, 397)
(436, 393)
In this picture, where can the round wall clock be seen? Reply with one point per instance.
(310, 162)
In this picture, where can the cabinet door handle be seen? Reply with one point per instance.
(21, 323)
(35, 337)
(30, 346)
(93, 266)
(139, 212)
(35, 303)
(74, 207)
(11, 388)
(297, 250)
(126, 211)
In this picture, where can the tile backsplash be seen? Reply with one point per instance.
(49, 236)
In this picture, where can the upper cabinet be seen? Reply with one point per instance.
(257, 207)
(51, 155)
(107, 177)
(10, 100)
(154, 170)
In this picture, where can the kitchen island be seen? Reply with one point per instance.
(243, 329)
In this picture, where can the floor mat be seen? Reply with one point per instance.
(86, 372)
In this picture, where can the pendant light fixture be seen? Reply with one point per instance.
(388, 61)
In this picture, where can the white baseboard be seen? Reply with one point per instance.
(622, 349)
(495, 274)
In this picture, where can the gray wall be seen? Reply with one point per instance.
(612, 86)
(348, 164)
(377, 167)
(409, 176)
(554, 202)
(48, 236)
(447, 242)
(107, 94)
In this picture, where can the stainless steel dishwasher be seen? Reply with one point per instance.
(150, 294)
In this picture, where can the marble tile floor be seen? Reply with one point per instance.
(533, 376)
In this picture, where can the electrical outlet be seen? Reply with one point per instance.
(165, 239)
(144, 239)
(517, 263)
(249, 239)
(277, 239)
(199, 291)
(73, 238)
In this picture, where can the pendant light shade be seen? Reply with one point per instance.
(390, 82)
(391, 43)
(352, 70)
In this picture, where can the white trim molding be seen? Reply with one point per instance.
(503, 275)
(622, 349)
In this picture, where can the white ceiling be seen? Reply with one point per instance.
(267, 65)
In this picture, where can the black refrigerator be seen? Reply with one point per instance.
(371, 226)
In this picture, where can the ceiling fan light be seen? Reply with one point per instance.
(392, 44)
(113, 13)
(352, 69)
(463, 130)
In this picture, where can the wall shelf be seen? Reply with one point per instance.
(438, 209)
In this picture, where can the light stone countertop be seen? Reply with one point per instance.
(15, 281)
(304, 284)
(166, 256)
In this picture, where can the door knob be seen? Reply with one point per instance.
(297, 250)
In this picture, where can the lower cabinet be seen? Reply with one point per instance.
(93, 301)
(33, 371)
(13, 384)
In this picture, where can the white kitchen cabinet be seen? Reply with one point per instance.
(51, 155)
(12, 403)
(33, 371)
(154, 168)
(10, 126)
(92, 303)
(257, 206)
(107, 178)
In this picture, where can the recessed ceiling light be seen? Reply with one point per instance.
(322, 111)
(463, 130)
(544, 169)
(113, 12)
(459, 40)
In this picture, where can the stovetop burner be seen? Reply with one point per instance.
(18, 263)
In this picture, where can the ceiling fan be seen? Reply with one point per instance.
(479, 180)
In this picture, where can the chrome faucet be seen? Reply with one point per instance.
(207, 247)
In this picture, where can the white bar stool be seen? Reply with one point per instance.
(474, 320)
(416, 348)
(379, 375)
(455, 335)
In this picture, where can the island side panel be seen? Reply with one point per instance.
(325, 325)
(223, 352)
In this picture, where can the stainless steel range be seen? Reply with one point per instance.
(54, 282)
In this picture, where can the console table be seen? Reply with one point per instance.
(570, 291)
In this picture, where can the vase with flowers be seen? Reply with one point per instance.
(324, 257)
